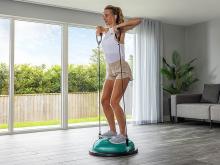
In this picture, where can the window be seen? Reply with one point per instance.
(4, 72)
(37, 72)
(82, 74)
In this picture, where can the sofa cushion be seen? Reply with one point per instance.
(210, 93)
(193, 110)
(215, 112)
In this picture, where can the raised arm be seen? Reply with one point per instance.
(128, 25)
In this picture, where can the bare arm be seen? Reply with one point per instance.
(126, 28)
(100, 29)
(128, 25)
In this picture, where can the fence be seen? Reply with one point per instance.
(43, 107)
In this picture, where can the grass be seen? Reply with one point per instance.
(54, 122)
(51, 122)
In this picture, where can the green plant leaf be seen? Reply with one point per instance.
(170, 89)
(180, 77)
(190, 62)
(167, 73)
(176, 59)
(166, 64)
(186, 71)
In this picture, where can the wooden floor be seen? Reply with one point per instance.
(159, 144)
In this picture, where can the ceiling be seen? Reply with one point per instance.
(179, 12)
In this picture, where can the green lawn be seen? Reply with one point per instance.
(51, 122)
(54, 122)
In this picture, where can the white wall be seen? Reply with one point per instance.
(203, 43)
(173, 39)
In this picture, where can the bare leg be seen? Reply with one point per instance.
(105, 100)
(117, 94)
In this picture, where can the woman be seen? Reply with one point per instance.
(112, 89)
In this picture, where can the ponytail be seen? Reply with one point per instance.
(117, 12)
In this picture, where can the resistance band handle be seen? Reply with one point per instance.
(99, 39)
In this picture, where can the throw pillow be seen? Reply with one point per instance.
(210, 93)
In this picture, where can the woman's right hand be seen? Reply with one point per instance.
(99, 30)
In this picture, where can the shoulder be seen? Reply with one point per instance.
(105, 30)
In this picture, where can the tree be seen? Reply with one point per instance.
(80, 79)
(4, 79)
(94, 64)
(84, 78)
(31, 79)
(28, 79)
(52, 80)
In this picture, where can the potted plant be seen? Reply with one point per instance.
(179, 76)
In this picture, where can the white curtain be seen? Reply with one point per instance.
(146, 86)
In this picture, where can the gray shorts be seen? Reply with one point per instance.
(113, 70)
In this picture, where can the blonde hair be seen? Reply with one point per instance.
(116, 11)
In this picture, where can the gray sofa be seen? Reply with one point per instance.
(190, 106)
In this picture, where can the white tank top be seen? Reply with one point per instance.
(111, 48)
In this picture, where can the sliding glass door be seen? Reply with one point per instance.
(4, 73)
(37, 74)
(37, 71)
(83, 77)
